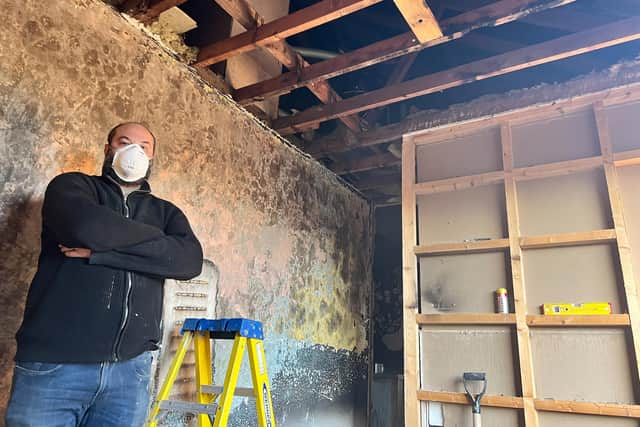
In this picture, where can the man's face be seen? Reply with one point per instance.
(126, 135)
(131, 134)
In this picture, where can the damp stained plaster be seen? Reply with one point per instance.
(292, 242)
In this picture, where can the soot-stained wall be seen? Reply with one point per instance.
(292, 244)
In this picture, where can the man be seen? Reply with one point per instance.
(94, 307)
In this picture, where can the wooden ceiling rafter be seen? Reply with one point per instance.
(279, 29)
(559, 48)
(420, 19)
(495, 14)
(246, 15)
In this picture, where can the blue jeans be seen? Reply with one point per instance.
(69, 394)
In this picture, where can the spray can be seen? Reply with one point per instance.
(502, 301)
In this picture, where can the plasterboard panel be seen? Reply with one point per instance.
(555, 419)
(629, 180)
(460, 416)
(564, 204)
(462, 283)
(450, 351)
(466, 155)
(624, 126)
(459, 215)
(554, 140)
(572, 275)
(582, 364)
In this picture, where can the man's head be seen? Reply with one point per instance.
(122, 136)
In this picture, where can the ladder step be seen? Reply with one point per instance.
(216, 389)
(189, 407)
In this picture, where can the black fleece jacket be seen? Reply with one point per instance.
(107, 307)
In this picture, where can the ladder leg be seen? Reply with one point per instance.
(231, 378)
(264, 407)
(202, 345)
(163, 394)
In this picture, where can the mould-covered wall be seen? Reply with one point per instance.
(291, 243)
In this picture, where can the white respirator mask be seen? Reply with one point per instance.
(130, 163)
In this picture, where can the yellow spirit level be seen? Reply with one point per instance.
(571, 309)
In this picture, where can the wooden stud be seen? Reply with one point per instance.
(410, 287)
(624, 247)
(549, 405)
(466, 319)
(626, 158)
(497, 13)
(568, 239)
(517, 272)
(462, 248)
(588, 408)
(420, 18)
(462, 399)
(279, 29)
(557, 168)
(579, 320)
(560, 48)
(518, 174)
(459, 183)
(248, 17)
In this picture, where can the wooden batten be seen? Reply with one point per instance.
(410, 287)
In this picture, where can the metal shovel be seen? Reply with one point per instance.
(469, 379)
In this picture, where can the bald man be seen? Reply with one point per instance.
(94, 307)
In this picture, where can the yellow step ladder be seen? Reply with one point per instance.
(213, 402)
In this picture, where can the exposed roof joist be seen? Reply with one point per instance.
(494, 14)
(563, 47)
(420, 19)
(279, 29)
(248, 17)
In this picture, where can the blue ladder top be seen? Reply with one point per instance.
(225, 328)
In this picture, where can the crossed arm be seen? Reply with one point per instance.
(86, 229)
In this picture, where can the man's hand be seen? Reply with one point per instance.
(75, 252)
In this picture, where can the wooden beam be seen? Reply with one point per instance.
(459, 183)
(462, 248)
(248, 17)
(363, 164)
(461, 399)
(626, 158)
(392, 132)
(560, 48)
(566, 167)
(279, 29)
(396, 76)
(466, 319)
(420, 19)
(497, 13)
(411, 353)
(523, 338)
(579, 320)
(625, 254)
(549, 405)
(568, 239)
(588, 408)
(151, 11)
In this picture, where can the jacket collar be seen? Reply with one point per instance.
(144, 187)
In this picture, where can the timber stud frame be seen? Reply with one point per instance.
(608, 162)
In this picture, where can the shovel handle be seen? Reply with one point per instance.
(477, 420)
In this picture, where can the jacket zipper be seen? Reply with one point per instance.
(125, 311)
